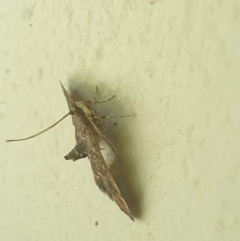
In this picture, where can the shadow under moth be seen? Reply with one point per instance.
(89, 126)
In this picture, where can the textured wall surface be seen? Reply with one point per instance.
(175, 64)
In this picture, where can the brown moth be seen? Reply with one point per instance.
(89, 126)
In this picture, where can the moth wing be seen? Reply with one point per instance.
(104, 179)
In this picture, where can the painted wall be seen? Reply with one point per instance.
(175, 64)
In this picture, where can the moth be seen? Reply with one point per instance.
(89, 126)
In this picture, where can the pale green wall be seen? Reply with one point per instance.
(174, 63)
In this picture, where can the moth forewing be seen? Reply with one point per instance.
(103, 177)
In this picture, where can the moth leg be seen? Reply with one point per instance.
(117, 116)
(100, 102)
(96, 94)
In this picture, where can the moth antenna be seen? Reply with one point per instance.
(41, 132)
